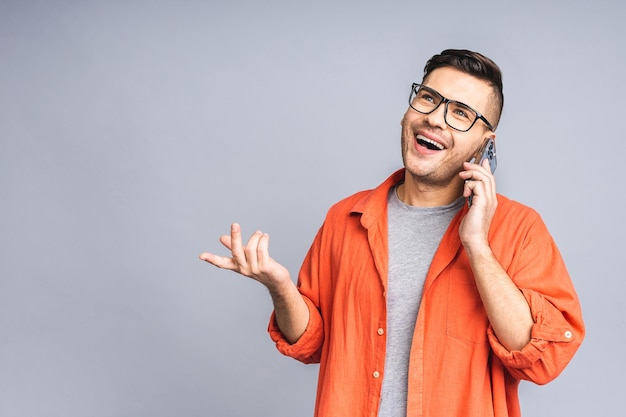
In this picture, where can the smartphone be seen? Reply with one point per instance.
(487, 151)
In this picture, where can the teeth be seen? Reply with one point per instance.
(430, 141)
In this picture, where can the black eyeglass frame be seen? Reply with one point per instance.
(416, 86)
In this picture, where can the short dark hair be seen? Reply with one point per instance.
(474, 64)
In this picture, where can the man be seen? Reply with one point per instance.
(413, 301)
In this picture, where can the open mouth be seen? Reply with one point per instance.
(429, 143)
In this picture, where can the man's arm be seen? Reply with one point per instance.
(506, 306)
(508, 311)
(254, 261)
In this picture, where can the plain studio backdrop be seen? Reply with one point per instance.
(133, 133)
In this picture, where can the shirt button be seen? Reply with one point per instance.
(381, 331)
(376, 374)
(568, 334)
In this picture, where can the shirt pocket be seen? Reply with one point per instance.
(466, 318)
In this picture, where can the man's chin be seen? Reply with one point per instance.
(432, 178)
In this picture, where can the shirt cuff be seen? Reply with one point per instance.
(550, 327)
(308, 347)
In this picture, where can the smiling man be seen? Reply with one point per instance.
(412, 301)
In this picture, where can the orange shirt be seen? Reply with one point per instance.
(457, 366)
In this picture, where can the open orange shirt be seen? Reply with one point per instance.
(457, 366)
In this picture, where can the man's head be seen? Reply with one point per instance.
(476, 65)
(455, 107)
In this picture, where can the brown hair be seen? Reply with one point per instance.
(474, 64)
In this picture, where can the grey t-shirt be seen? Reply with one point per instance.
(414, 236)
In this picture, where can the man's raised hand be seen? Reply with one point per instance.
(252, 261)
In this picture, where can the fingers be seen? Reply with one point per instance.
(244, 259)
(478, 179)
(218, 261)
(251, 252)
(263, 254)
(472, 171)
(235, 244)
(250, 260)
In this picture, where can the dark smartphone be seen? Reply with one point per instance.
(487, 151)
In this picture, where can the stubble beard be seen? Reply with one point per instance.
(439, 176)
(436, 178)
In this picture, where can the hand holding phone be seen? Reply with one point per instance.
(487, 151)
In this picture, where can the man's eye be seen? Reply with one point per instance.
(426, 97)
(461, 113)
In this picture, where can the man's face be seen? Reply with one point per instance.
(440, 167)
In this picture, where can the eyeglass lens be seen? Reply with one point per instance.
(457, 115)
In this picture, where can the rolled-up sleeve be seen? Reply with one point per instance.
(306, 349)
(558, 328)
(553, 343)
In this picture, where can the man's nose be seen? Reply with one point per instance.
(437, 118)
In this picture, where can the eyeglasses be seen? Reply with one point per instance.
(457, 115)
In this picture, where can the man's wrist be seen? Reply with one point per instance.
(281, 289)
(476, 247)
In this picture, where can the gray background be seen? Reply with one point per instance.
(133, 133)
